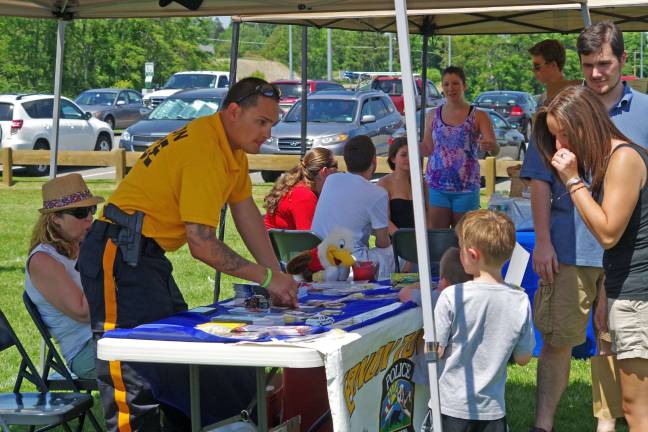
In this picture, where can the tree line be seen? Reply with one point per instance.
(112, 52)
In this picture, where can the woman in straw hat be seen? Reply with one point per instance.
(51, 280)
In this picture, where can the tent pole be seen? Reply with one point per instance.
(236, 26)
(234, 47)
(305, 88)
(419, 206)
(56, 109)
(424, 58)
(587, 20)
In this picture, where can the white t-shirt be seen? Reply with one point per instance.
(481, 325)
(350, 201)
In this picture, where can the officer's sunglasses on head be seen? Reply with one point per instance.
(80, 212)
(267, 90)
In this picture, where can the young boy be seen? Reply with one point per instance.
(479, 325)
(451, 272)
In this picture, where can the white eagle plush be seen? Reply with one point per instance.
(330, 261)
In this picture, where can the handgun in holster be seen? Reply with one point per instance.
(129, 238)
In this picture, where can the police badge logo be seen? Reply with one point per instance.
(397, 406)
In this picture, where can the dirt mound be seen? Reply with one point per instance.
(271, 70)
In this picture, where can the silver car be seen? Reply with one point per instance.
(335, 116)
(119, 108)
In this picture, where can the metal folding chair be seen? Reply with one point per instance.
(289, 243)
(439, 240)
(55, 372)
(42, 408)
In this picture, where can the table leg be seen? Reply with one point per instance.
(262, 408)
(194, 397)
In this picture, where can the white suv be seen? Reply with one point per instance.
(26, 123)
(187, 80)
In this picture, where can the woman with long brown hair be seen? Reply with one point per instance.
(398, 186)
(576, 137)
(291, 202)
(51, 280)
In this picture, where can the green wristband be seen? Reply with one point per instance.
(268, 278)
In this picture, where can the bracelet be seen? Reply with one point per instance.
(268, 278)
(578, 188)
(572, 182)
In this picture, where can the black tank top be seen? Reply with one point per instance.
(401, 212)
(626, 263)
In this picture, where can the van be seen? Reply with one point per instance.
(187, 80)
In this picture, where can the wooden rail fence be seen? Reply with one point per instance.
(121, 160)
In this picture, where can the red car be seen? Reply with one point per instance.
(393, 86)
(291, 90)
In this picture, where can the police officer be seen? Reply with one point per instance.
(174, 195)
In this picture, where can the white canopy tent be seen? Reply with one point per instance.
(75, 9)
(457, 20)
(447, 17)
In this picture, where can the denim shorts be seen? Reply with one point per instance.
(458, 202)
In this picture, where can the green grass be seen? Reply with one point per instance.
(18, 212)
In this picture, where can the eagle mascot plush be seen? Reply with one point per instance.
(329, 261)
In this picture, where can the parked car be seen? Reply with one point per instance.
(333, 118)
(175, 112)
(26, 122)
(393, 86)
(187, 80)
(516, 107)
(119, 108)
(291, 90)
(505, 134)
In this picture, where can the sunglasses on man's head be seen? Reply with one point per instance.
(267, 90)
(80, 212)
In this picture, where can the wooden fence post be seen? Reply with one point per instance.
(120, 164)
(7, 165)
(490, 175)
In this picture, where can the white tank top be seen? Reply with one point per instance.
(70, 334)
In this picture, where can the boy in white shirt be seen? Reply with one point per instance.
(480, 324)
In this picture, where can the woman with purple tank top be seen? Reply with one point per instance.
(454, 134)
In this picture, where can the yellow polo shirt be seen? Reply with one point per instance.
(186, 177)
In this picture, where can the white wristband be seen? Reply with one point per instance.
(573, 181)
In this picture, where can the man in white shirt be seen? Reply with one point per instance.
(351, 201)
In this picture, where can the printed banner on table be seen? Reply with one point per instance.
(371, 381)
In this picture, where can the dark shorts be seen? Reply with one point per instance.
(453, 424)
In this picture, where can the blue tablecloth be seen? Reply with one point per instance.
(530, 284)
(182, 326)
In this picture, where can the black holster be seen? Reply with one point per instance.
(129, 238)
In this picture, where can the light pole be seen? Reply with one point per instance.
(329, 55)
(641, 44)
(290, 54)
(391, 53)
(449, 50)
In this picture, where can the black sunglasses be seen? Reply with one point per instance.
(267, 90)
(80, 212)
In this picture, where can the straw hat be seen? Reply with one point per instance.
(67, 192)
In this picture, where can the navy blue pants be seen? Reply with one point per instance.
(144, 396)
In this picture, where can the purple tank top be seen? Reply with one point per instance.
(453, 166)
